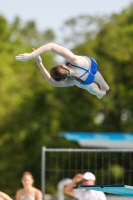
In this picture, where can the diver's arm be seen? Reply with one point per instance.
(65, 53)
(47, 76)
(62, 51)
(50, 80)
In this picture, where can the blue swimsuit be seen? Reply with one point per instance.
(91, 72)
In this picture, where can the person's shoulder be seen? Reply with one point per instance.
(100, 193)
(37, 191)
(2, 194)
(77, 190)
(19, 190)
(5, 196)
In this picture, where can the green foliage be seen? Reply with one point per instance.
(117, 171)
(27, 114)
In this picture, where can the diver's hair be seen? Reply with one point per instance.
(27, 173)
(59, 73)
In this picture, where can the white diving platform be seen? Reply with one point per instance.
(124, 190)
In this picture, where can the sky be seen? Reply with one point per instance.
(53, 13)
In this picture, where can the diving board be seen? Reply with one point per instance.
(124, 190)
(107, 140)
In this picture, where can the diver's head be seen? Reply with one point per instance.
(59, 73)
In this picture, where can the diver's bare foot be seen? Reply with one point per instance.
(102, 93)
(104, 88)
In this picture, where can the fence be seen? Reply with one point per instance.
(111, 166)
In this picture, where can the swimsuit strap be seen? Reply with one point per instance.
(86, 70)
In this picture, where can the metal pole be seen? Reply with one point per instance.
(43, 172)
(88, 150)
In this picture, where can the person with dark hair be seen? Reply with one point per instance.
(28, 192)
(81, 71)
(85, 179)
(4, 196)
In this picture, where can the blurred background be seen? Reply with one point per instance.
(32, 112)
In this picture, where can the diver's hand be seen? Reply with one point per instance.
(24, 57)
(37, 58)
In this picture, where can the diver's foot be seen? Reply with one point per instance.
(102, 93)
(104, 87)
